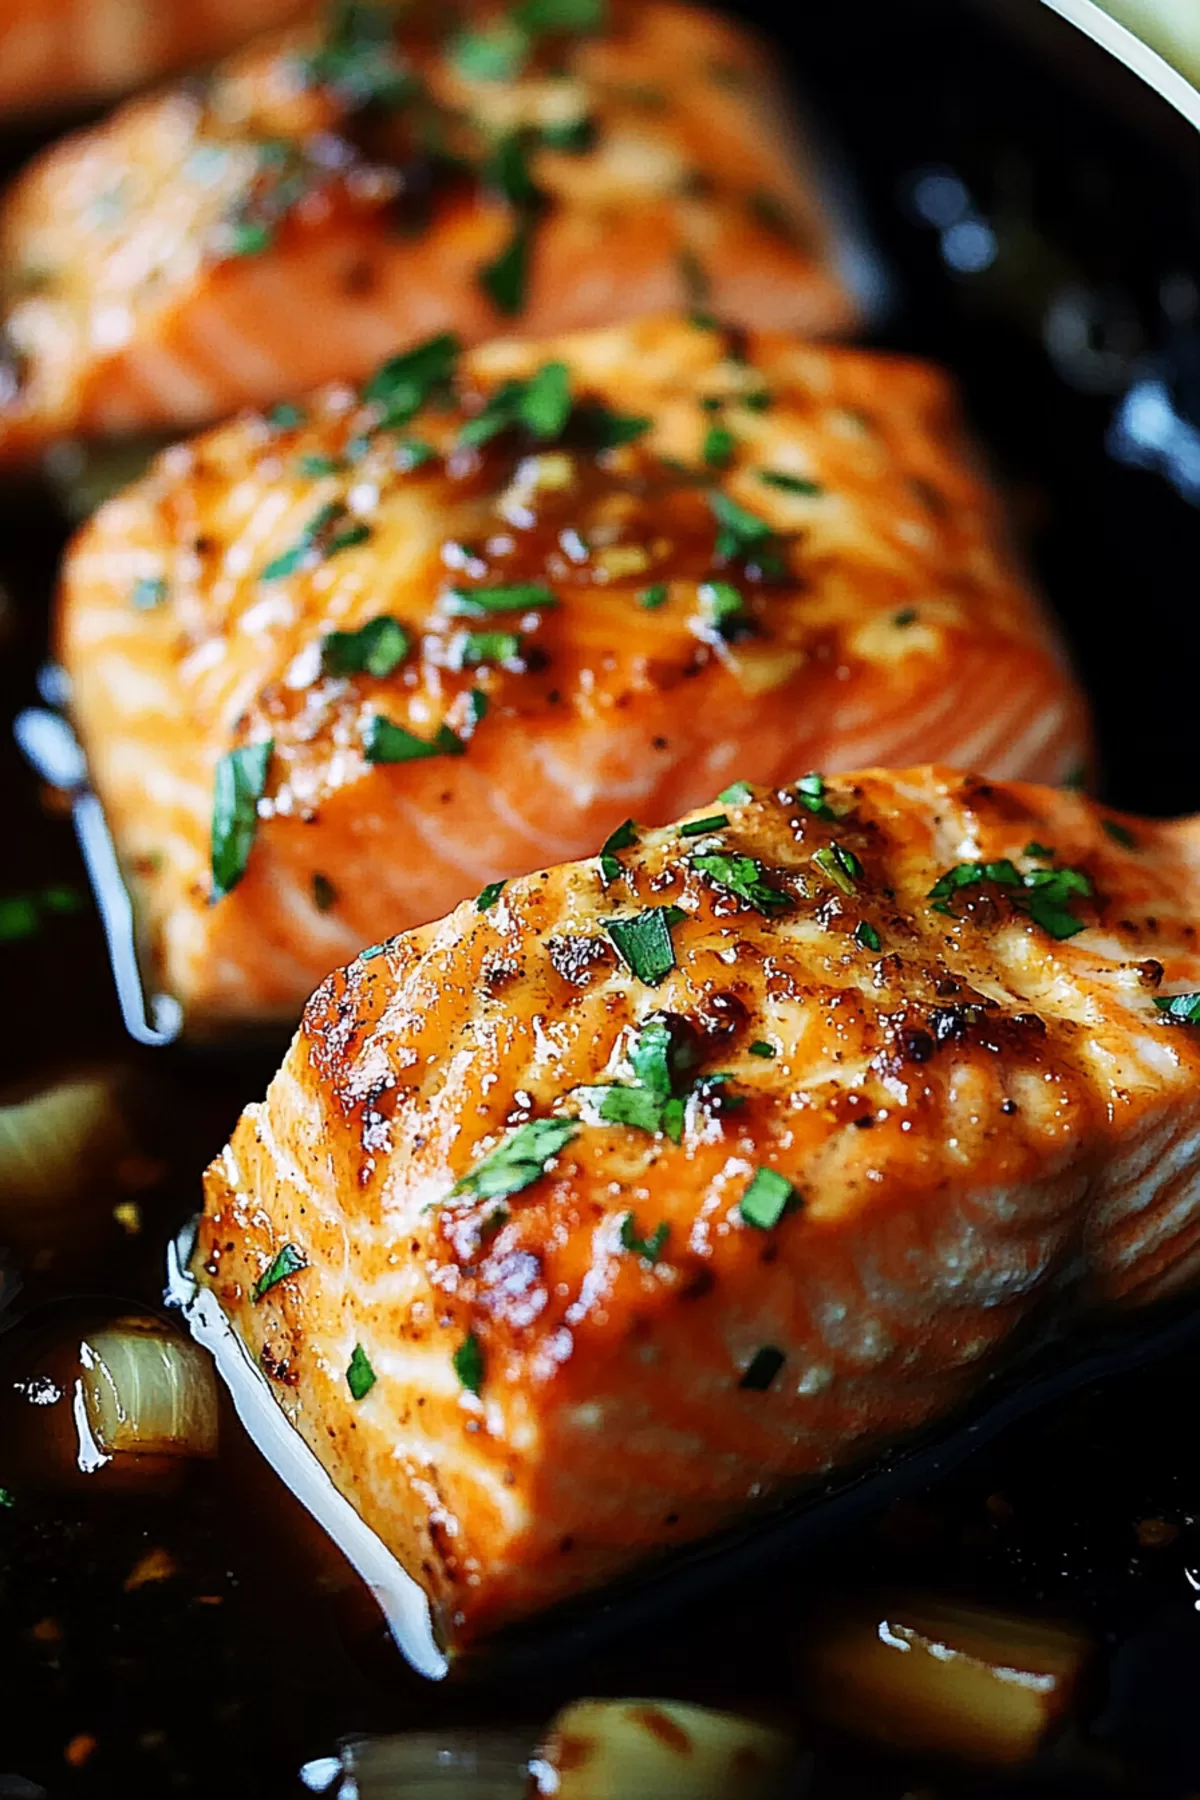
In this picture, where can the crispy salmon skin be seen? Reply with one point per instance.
(337, 669)
(330, 196)
(573, 1227)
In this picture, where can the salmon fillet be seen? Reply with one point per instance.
(170, 265)
(573, 1227)
(390, 665)
(56, 53)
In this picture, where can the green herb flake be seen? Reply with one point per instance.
(376, 648)
(286, 416)
(742, 876)
(724, 607)
(18, 918)
(413, 453)
(906, 616)
(760, 1047)
(810, 792)
(359, 59)
(285, 1262)
(324, 893)
(360, 1376)
(1043, 852)
(317, 540)
(737, 793)
(497, 54)
(477, 648)
(469, 1363)
(866, 936)
(476, 603)
(649, 1249)
(504, 279)
(316, 466)
(762, 1369)
(1076, 780)
(643, 941)
(148, 592)
(571, 16)
(1179, 1009)
(719, 446)
(742, 536)
(404, 383)
(840, 865)
(789, 484)
(622, 838)
(386, 742)
(250, 237)
(767, 1198)
(488, 896)
(545, 405)
(241, 777)
(1045, 895)
(518, 1160)
(654, 596)
(1120, 834)
(698, 827)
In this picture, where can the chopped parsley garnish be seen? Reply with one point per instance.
(376, 648)
(323, 892)
(1076, 780)
(359, 58)
(789, 484)
(760, 1047)
(643, 941)
(404, 383)
(742, 536)
(604, 430)
(1120, 834)
(1042, 852)
(545, 401)
(650, 1249)
(1179, 1009)
(742, 876)
(737, 793)
(619, 1104)
(1044, 894)
(488, 896)
(285, 1262)
(504, 279)
(476, 648)
(767, 1198)
(866, 936)
(469, 1364)
(241, 776)
(316, 466)
(507, 170)
(413, 453)
(662, 1057)
(319, 539)
(496, 54)
(654, 596)
(573, 134)
(762, 1369)
(810, 792)
(621, 839)
(698, 827)
(544, 16)
(286, 417)
(386, 742)
(518, 1160)
(544, 407)
(360, 1376)
(724, 608)
(519, 596)
(719, 446)
(840, 865)
(906, 616)
(148, 592)
(250, 237)
(6, 1498)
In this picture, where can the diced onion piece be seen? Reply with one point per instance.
(459, 1765)
(148, 1391)
(53, 1144)
(646, 1749)
(958, 1680)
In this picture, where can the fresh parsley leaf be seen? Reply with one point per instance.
(762, 1369)
(413, 453)
(760, 1047)
(719, 446)
(238, 785)
(468, 1363)
(698, 827)
(18, 918)
(1120, 834)
(360, 1376)
(488, 896)
(1043, 852)
(518, 1160)
(386, 742)
(285, 1262)
(250, 237)
(148, 592)
(741, 534)
(663, 1054)
(789, 484)
(519, 596)
(572, 134)
(654, 596)
(643, 941)
(496, 54)
(324, 893)
(543, 16)
(767, 1198)
(906, 616)
(651, 1248)
(504, 279)
(866, 936)
(7, 1499)
(621, 839)
(724, 608)
(810, 792)
(1044, 894)
(602, 429)
(619, 1104)
(318, 539)
(345, 540)
(737, 793)
(1179, 1009)
(545, 405)
(376, 648)
(316, 466)
(742, 876)
(508, 171)
(359, 58)
(402, 385)
(840, 865)
(286, 417)
(475, 648)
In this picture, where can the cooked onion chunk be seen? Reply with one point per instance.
(148, 1391)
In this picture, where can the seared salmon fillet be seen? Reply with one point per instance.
(57, 53)
(583, 1221)
(336, 670)
(326, 199)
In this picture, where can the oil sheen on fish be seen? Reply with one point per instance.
(390, 650)
(578, 1225)
(330, 196)
(59, 53)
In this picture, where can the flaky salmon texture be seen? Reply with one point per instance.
(337, 668)
(339, 191)
(628, 1199)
